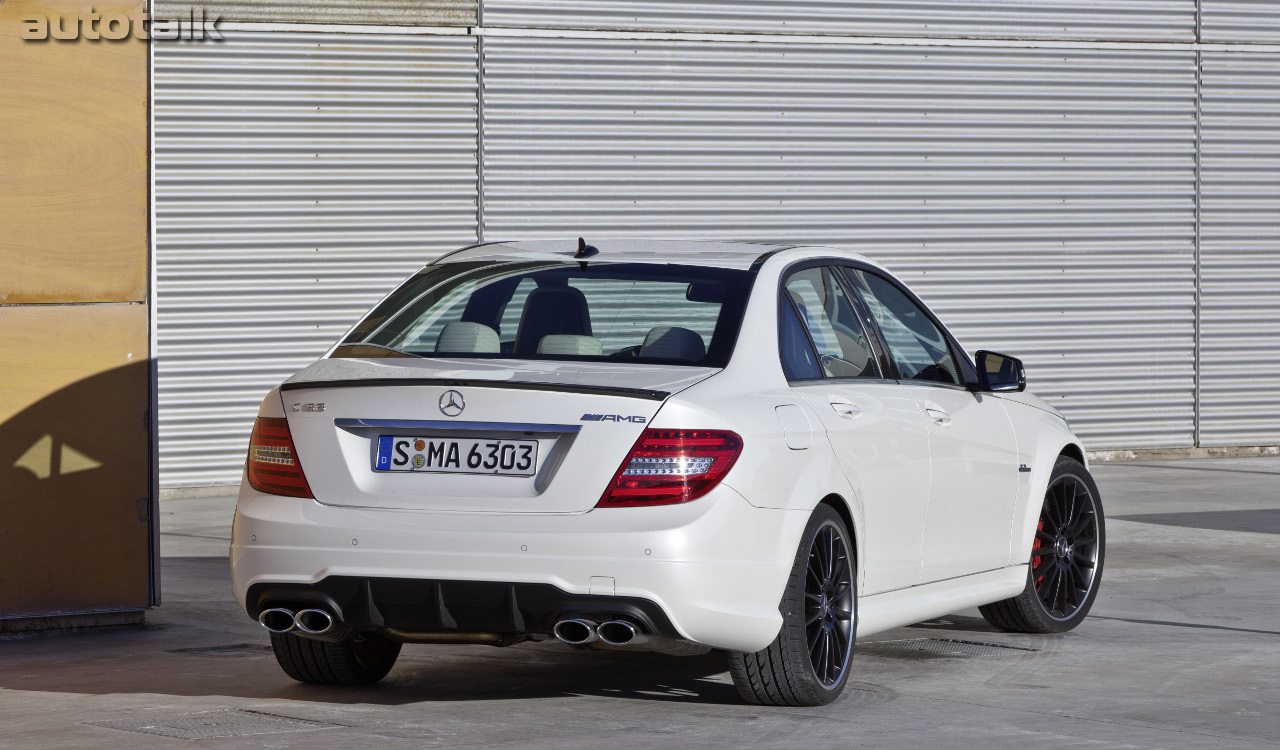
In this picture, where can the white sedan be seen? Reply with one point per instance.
(678, 446)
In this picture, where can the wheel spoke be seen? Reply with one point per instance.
(832, 666)
(1055, 594)
(1052, 581)
(1049, 514)
(1078, 583)
(1082, 525)
(826, 655)
(815, 572)
(1073, 590)
(838, 572)
(1064, 590)
(831, 554)
(814, 618)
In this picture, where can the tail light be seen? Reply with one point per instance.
(273, 463)
(672, 466)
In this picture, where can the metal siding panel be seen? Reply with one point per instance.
(1131, 20)
(1042, 201)
(298, 178)
(382, 12)
(1240, 252)
(1255, 21)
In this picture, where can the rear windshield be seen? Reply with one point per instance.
(633, 312)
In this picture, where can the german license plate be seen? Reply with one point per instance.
(456, 455)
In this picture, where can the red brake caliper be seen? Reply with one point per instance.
(1035, 559)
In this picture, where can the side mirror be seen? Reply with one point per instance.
(997, 372)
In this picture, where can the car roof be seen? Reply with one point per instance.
(740, 255)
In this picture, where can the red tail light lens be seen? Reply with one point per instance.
(666, 467)
(273, 462)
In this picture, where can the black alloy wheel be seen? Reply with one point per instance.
(808, 663)
(1067, 554)
(828, 598)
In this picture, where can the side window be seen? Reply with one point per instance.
(798, 361)
(917, 346)
(828, 317)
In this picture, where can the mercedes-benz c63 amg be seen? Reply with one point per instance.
(678, 446)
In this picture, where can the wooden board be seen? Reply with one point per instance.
(74, 459)
(73, 145)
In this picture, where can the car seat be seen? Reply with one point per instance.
(551, 311)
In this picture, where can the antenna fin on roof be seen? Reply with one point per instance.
(585, 250)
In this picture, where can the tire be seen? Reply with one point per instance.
(1075, 546)
(362, 660)
(792, 670)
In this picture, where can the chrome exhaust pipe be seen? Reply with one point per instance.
(576, 632)
(277, 620)
(621, 633)
(314, 621)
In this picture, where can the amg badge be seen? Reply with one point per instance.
(612, 418)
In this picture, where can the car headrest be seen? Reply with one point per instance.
(467, 338)
(561, 343)
(672, 342)
(550, 311)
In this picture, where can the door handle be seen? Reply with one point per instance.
(939, 417)
(846, 409)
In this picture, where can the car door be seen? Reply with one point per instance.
(873, 425)
(974, 459)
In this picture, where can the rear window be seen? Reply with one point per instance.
(633, 312)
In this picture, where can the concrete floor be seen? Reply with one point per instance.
(1182, 651)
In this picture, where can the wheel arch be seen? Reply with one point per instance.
(841, 506)
(1074, 450)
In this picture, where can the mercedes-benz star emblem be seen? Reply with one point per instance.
(452, 403)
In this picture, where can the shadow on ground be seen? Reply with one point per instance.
(1262, 521)
(143, 661)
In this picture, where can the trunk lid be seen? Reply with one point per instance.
(583, 417)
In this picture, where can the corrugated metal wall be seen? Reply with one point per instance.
(1240, 250)
(1252, 21)
(1042, 201)
(1042, 196)
(1130, 20)
(298, 177)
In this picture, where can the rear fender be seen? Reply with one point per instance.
(768, 473)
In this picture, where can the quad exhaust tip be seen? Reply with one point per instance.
(314, 621)
(576, 632)
(308, 621)
(621, 633)
(277, 620)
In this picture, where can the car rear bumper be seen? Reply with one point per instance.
(711, 571)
